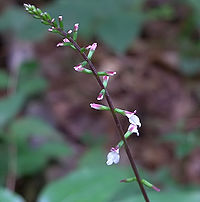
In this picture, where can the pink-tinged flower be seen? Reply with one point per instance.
(76, 27)
(111, 73)
(105, 79)
(93, 47)
(156, 188)
(51, 29)
(60, 18)
(96, 106)
(79, 68)
(66, 40)
(60, 44)
(88, 47)
(70, 31)
(100, 96)
(113, 156)
(53, 20)
(133, 129)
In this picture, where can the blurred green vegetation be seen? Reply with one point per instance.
(36, 141)
(117, 25)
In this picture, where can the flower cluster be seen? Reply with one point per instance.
(113, 155)
(70, 38)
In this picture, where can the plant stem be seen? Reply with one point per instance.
(112, 108)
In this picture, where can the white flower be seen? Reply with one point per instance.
(113, 156)
(134, 122)
(133, 119)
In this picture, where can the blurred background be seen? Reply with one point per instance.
(53, 146)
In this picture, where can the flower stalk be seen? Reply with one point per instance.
(144, 182)
(46, 19)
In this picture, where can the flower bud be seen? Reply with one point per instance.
(60, 21)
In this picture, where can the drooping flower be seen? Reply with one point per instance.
(113, 156)
(133, 119)
(60, 44)
(133, 129)
(134, 122)
(79, 68)
(93, 47)
(65, 40)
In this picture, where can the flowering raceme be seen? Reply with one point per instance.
(102, 77)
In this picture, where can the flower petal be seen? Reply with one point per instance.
(116, 159)
(135, 120)
(109, 162)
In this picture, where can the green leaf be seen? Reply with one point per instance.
(120, 31)
(93, 181)
(164, 196)
(37, 143)
(84, 185)
(34, 86)
(8, 196)
(3, 79)
(175, 137)
(9, 107)
(190, 65)
(117, 24)
(30, 83)
(4, 163)
(25, 28)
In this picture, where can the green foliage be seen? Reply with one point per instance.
(185, 142)
(30, 82)
(93, 181)
(174, 196)
(190, 65)
(84, 185)
(9, 107)
(165, 12)
(117, 24)
(3, 79)
(25, 28)
(8, 196)
(37, 142)
(4, 162)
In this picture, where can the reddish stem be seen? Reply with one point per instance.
(116, 120)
